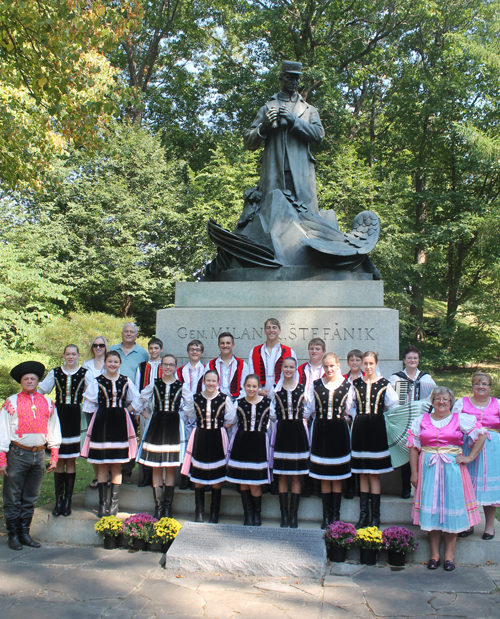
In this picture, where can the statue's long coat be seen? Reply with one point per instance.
(294, 141)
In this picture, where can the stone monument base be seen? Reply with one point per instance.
(346, 313)
(248, 551)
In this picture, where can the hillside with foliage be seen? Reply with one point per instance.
(122, 134)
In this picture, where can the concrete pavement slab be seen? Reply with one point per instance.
(384, 601)
(6, 554)
(339, 581)
(226, 584)
(473, 605)
(85, 584)
(343, 596)
(42, 609)
(47, 555)
(440, 600)
(345, 569)
(419, 578)
(174, 599)
(17, 577)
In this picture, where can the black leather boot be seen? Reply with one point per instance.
(257, 508)
(215, 505)
(114, 498)
(24, 533)
(246, 500)
(294, 508)
(147, 477)
(199, 497)
(308, 488)
(350, 484)
(406, 481)
(184, 483)
(59, 490)
(375, 510)
(168, 497)
(336, 501)
(273, 488)
(327, 509)
(12, 525)
(284, 509)
(158, 499)
(69, 484)
(102, 488)
(364, 509)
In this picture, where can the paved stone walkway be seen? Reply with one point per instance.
(91, 583)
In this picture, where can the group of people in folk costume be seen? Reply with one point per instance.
(247, 424)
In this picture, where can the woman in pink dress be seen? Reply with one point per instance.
(485, 470)
(444, 499)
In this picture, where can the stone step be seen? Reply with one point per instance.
(134, 499)
(79, 529)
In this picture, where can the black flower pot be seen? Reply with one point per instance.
(138, 544)
(110, 542)
(153, 546)
(396, 558)
(336, 554)
(368, 556)
(122, 541)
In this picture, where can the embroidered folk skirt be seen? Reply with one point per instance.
(485, 470)
(205, 459)
(330, 449)
(110, 437)
(290, 454)
(444, 498)
(248, 459)
(70, 421)
(164, 440)
(369, 447)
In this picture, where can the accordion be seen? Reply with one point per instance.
(403, 388)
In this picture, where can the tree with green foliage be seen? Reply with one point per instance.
(56, 85)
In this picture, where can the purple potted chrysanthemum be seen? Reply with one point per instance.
(338, 536)
(398, 541)
(138, 529)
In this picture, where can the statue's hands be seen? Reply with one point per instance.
(271, 116)
(287, 115)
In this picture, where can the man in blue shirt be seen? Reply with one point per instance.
(132, 355)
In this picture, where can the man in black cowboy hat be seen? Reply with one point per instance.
(28, 424)
(287, 126)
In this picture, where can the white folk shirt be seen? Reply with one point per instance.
(30, 420)
(226, 373)
(153, 375)
(269, 359)
(192, 375)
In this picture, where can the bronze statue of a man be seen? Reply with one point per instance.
(287, 125)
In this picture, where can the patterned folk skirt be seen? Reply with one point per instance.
(370, 449)
(330, 449)
(290, 454)
(485, 470)
(110, 437)
(70, 421)
(248, 459)
(205, 459)
(164, 440)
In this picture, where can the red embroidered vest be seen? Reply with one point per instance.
(259, 367)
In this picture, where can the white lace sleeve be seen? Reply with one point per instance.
(146, 396)
(187, 403)
(468, 426)
(90, 397)
(458, 407)
(350, 403)
(391, 398)
(414, 435)
(132, 394)
(47, 383)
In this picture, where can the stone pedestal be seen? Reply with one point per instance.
(345, 313)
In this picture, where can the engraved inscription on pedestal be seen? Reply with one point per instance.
(253, 551)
